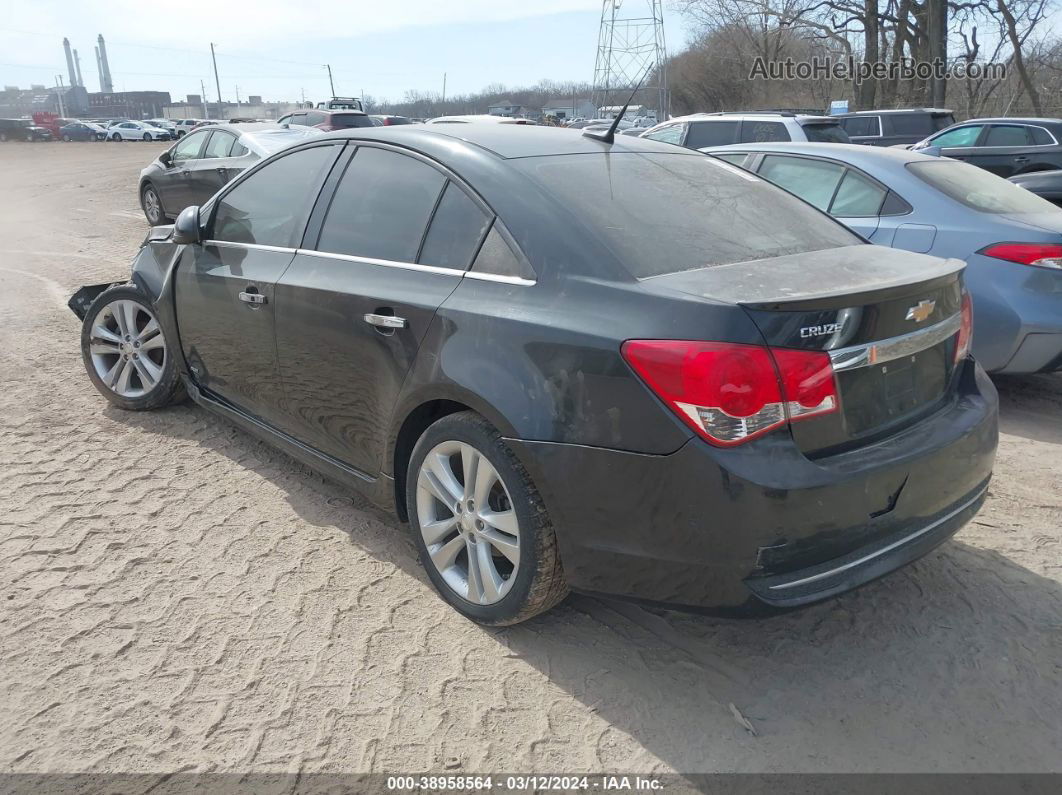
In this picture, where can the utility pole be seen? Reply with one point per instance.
(203, 98)
(237, 100)
(328, 66)
(217, 82)
(59, 95)
(444, 87)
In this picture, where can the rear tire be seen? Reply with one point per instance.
(117, 138)
(127, 356)
(151, 205)
(498, 523)
(67, 138)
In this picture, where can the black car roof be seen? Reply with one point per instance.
(507, 141)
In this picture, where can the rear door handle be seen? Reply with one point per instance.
(1021, 159)
(385, 321)
(255, 299)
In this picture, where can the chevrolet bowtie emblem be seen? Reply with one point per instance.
(921, 311)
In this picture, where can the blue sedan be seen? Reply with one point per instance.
(82, 131)
(1010, 239)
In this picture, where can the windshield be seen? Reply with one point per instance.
(826, 133)
(979, 189)
(665, 213)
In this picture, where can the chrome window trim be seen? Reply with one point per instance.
(882, 351)
(254, 246)
(497, 277)
(413, 266)
(884, 550)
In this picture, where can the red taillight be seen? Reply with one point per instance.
(962, 345)
(1044, 255)
(732, 393)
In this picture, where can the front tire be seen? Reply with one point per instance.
(151, 205)
(117, 138)
(127, 356)
(480, 526)
(147, 136)
(67, 138)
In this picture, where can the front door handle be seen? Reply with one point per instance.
(254, 299)
(385, 321)
(1021, 159)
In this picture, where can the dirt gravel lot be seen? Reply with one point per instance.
(178, 596)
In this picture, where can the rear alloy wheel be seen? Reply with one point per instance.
(126, 352)
(149, 200)
(484, 537)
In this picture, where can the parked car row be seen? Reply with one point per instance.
(576, 362)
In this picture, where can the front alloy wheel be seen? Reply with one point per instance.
(126, 352)
(485, 539)
(152, 206)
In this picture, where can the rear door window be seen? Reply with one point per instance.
(220, 145)
(711, 133)
(814, 181)
(755, 131)
(1041, 137)
(857, 197)
(920, 124)
(456, 230)
(1007, 135)
(382, 205)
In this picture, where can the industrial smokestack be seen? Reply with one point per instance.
(77, 68)
(108, 84)
(99, 68)
(69, 62)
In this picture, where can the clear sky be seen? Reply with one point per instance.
(277, 48)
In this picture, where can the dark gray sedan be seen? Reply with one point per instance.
(201, 162)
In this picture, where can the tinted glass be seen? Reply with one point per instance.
(960, 136)
(813, 181)
(711, 133)
(831, 133)
(920, 124)
(345, 121)
(1040, 136)
(455, 232)
(664, 213)
(299, 118)
(671, 134)
(270, 206)
(313, 118)
(860, 125)
(737, 159)
(496, 257)
(220, 145)
(942, 121)
(757, 132)
(188, 148)
(238, 150)
(979, 189)
(858, 197)
(381, 207)
(1007, 135)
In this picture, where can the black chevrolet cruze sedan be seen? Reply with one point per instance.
(621, 367)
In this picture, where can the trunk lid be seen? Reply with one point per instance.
(888, 318)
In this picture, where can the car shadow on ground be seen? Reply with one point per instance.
(952, 664)
(1030, 406)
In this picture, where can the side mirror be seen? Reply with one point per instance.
(932, 151)
(166, 158)
(186, 227)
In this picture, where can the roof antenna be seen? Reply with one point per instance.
(609, 135)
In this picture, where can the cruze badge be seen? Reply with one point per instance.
(921, 311)
(807, 332)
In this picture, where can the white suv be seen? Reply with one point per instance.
(699, 130)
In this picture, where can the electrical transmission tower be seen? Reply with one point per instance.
(630, 45)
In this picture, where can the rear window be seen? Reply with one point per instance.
(861, 125)
(664, 213)
(942, 121)
(344, 121)
(711, 133)
(912, 124)
(826, 133)
(979, 189)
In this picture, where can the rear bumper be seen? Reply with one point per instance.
(762, 526)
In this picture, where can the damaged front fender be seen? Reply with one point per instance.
(80, 301)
